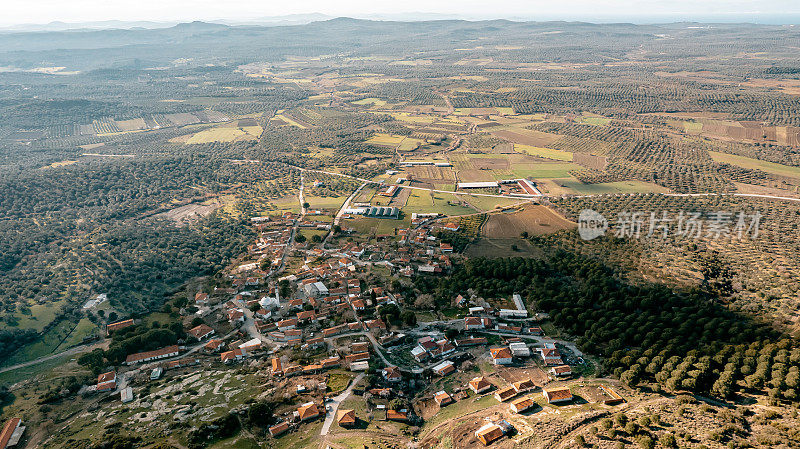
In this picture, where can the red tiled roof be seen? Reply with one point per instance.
(8, 430)
(150, 354)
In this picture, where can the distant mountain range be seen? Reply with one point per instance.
(302, 19)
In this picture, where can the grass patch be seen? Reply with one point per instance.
(83, 329)
(338, 381)
(40, 316)
(11, 377)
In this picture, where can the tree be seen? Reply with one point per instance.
(316, 238)
(299, 238)
(196, 321)
(646, 442)
(93, 360)
(409, 318)
(668, 440)
(260, 414)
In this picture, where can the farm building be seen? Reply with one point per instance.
(556, 395)
(359, 366)
(394, 415)
(522, 404)
(489, 433)
(519, 349)
(518, 312)
(111, 327)
(478, 185)
(279, 429)
(126, 395)
(472, 341)
(613, 397)
(162, 353)
(383, 212)
(505, 394)
(524, 385)
(390, 191)
(479, 385)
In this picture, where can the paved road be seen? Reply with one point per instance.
(334, 404)
(249, 326)
(346, 204)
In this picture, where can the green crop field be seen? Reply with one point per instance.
(548, 153)
(599, 121)
(755, 164)
(421, 201)
(544, 170)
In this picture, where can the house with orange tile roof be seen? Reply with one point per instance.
(113, 327)
(279, 429)
(479, 385)
(557, 395)
(307, 411)
(501, 356)
(522, 404)
(346, 418)
(394, 415)
(489, 433)
(107, 381)
(201, 332)
(11, 433)
(443, 398)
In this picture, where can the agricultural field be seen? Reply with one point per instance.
(548, 153)
(225, 134)
(384, 139)
(421, 201)
(533, 220)
(755, 164)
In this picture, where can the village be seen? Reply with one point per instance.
(339, 317)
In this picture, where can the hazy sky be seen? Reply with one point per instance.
(44, 11)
